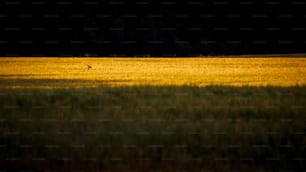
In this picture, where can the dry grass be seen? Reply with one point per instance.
(126, 114)
(73, 72)
(153, 129)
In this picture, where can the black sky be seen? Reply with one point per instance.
(150, 27)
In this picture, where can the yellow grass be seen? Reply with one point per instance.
(73, 72)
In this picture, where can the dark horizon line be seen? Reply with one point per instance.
(163, 55)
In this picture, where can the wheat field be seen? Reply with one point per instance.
(152, 114)
(73, 72)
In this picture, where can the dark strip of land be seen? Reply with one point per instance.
(215, 128)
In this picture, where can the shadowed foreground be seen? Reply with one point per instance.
(148, 128)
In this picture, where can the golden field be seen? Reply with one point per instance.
(152, 114)
(73, 72)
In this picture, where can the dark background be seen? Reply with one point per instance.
(151, 28)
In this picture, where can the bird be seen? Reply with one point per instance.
(88, 67)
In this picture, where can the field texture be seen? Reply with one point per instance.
(150, 114)
(73, 72)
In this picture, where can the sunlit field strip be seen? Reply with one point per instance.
(73, 72)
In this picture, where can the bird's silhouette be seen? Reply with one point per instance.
(88, 67)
